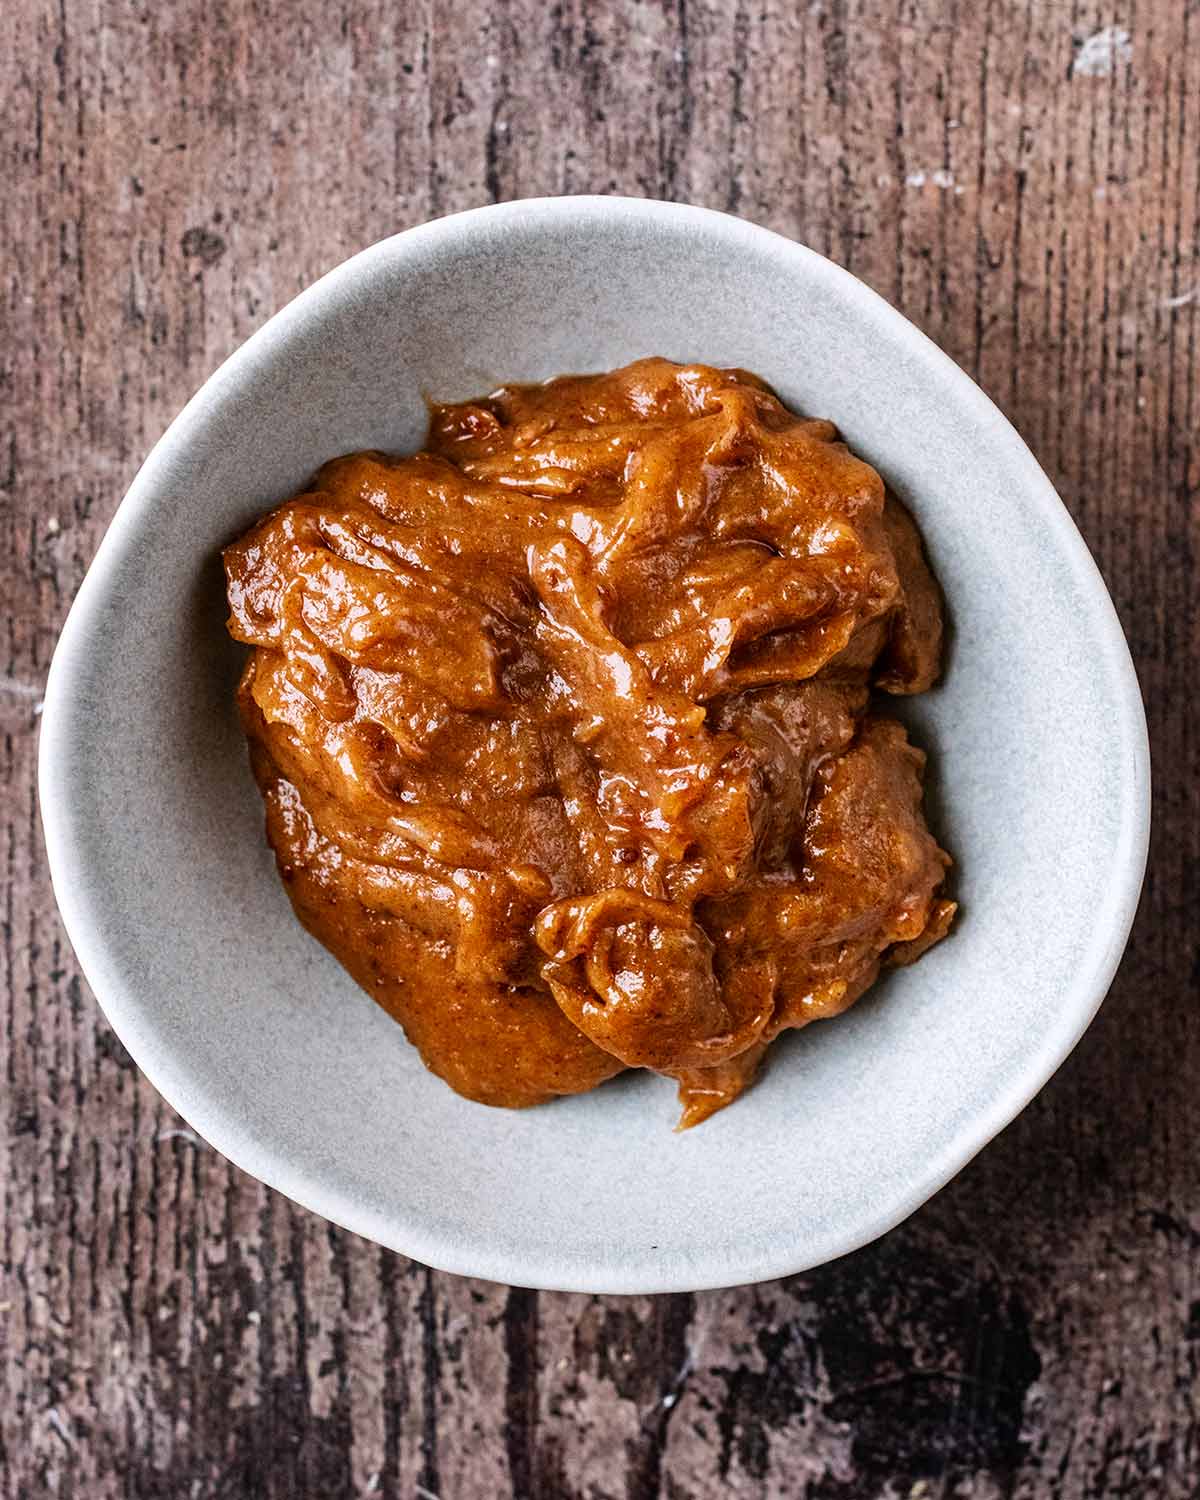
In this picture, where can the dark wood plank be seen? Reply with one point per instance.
(172, 175)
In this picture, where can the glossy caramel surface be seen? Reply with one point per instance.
(565, 733)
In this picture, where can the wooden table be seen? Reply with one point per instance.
(1021, 178)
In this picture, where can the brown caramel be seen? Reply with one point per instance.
(565, 734)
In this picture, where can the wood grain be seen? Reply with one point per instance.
(174, 173)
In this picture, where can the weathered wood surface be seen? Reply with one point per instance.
(1028, 193)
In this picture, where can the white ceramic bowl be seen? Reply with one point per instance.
(269, 1050)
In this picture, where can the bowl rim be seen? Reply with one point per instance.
(640, 1272)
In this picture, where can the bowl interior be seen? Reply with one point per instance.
(257, 1036)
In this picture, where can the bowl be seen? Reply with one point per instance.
(266, 1047)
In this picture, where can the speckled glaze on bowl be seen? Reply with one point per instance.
(269, 1050)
